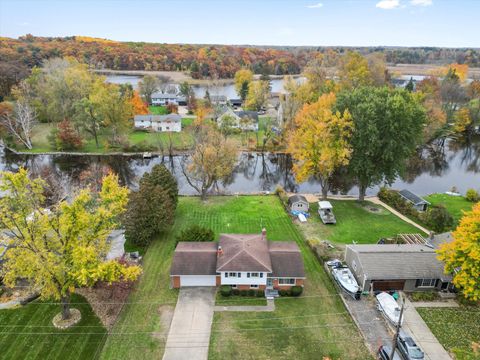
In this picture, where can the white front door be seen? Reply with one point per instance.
(197, 280)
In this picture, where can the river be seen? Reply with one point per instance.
(437, 169)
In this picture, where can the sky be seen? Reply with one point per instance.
(446, 23)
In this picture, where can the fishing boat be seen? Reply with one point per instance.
(389, 307)
(344, 277)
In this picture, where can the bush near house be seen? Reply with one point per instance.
(297, 290)
(226, 290)
(437, 218)
(395, 200)
(196, 233)
(472, 195)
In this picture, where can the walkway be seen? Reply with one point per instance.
(436, 304)
(414, 325)
(269, 307)
(189, 335)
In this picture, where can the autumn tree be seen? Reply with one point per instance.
(147, 86)
(354, 71)
(462, 255)
(257, 96)
(139, 106)
(452, 93)
(65, 137)
(320, 142)
(387, 128)
(65, 247)
(243, 78)
(11, 73)
(213, 160)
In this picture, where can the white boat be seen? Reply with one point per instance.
(389, 307)
(147, 155)
(345, 279)
(325, 210)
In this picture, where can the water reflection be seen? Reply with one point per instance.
(436, 168)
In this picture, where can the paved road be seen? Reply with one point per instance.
(422, 335)
(189, 334)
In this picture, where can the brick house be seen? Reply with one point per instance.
(244, 261)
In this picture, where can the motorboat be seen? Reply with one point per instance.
(325, 210)
(344, 277)
(389, 307)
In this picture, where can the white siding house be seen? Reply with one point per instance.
(161, 99)
(243, 278)
(159, 123)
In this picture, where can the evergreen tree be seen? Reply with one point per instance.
(410, 85)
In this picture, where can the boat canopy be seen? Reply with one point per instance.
(325, 205)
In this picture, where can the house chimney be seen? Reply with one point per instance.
(219, 251)
(264, 233)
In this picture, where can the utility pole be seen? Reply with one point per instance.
(397, 330)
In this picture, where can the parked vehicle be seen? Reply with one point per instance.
(389, 307)
(325, 210)
(384, 352)
(408, 348)
(344, 277)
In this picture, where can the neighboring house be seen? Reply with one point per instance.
(236, 102)
(161, 99)
(418, 203)
(218, 99)
(242, 261)
(168, 123)
(408, 267)
(298, 203)
(244, 120)
(116, 239)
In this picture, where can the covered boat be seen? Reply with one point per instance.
(389, 307)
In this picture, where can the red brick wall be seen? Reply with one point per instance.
(299, 282)
(218, 281)
(276, 286)
(175, 282)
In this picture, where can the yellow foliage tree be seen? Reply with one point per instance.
(462, 120)
(354, 71)
(320, 142)
(462, 255)
(62, 248)
(243, 78)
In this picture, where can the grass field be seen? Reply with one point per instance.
(455, 205)
(355, 222)
(308, 327)
(158, 110)
(455, 328)
(27, 333)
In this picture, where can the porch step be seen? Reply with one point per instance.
(271, 294)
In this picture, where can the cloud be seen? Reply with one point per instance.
(421, 2)
(315, 6)
(388, 4)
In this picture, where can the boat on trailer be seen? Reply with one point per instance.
(344, 277)
(389, 307)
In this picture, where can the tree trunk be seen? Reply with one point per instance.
(65, 300)
(362, 189)
(324, 192)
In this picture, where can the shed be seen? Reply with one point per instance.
(298, 203)
(418, 203)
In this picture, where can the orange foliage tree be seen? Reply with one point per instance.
(139, 106)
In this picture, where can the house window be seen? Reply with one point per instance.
(286, 281)
(253, 286)
(232, 274)
(248, 275)
(261, 275)
(239, 275)
(254, 274)
(426, 282)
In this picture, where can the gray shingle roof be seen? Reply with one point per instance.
(160, 95)
(415, 199)
(402, 262)
(158, 118)
(194, 258)
(247, 114)
(295, 198)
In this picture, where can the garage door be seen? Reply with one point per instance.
(197, 280)
(384, 285)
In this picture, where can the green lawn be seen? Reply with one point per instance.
(27, 333)
(455, 328)
(158, 110)
(355, 222)
(454, 204)
(308, 327)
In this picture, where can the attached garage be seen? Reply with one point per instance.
(197, 280)
(387, 285)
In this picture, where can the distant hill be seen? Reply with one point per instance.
(203, 61)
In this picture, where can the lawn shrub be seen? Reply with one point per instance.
(65, 137)
(243, 292)
(251, 292)
(472, 195)
(462, 300)
(236, 292)
(196, 233)
(438, 218)
(283, 292)
(395, 200)
(282, 195)
(297, 290)
(260, 293)
(225, 290)
(424, 296)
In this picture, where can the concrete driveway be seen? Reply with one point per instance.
(189, 334)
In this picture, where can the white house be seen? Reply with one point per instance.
(244, 120)
(165, 123)
(161, 99)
